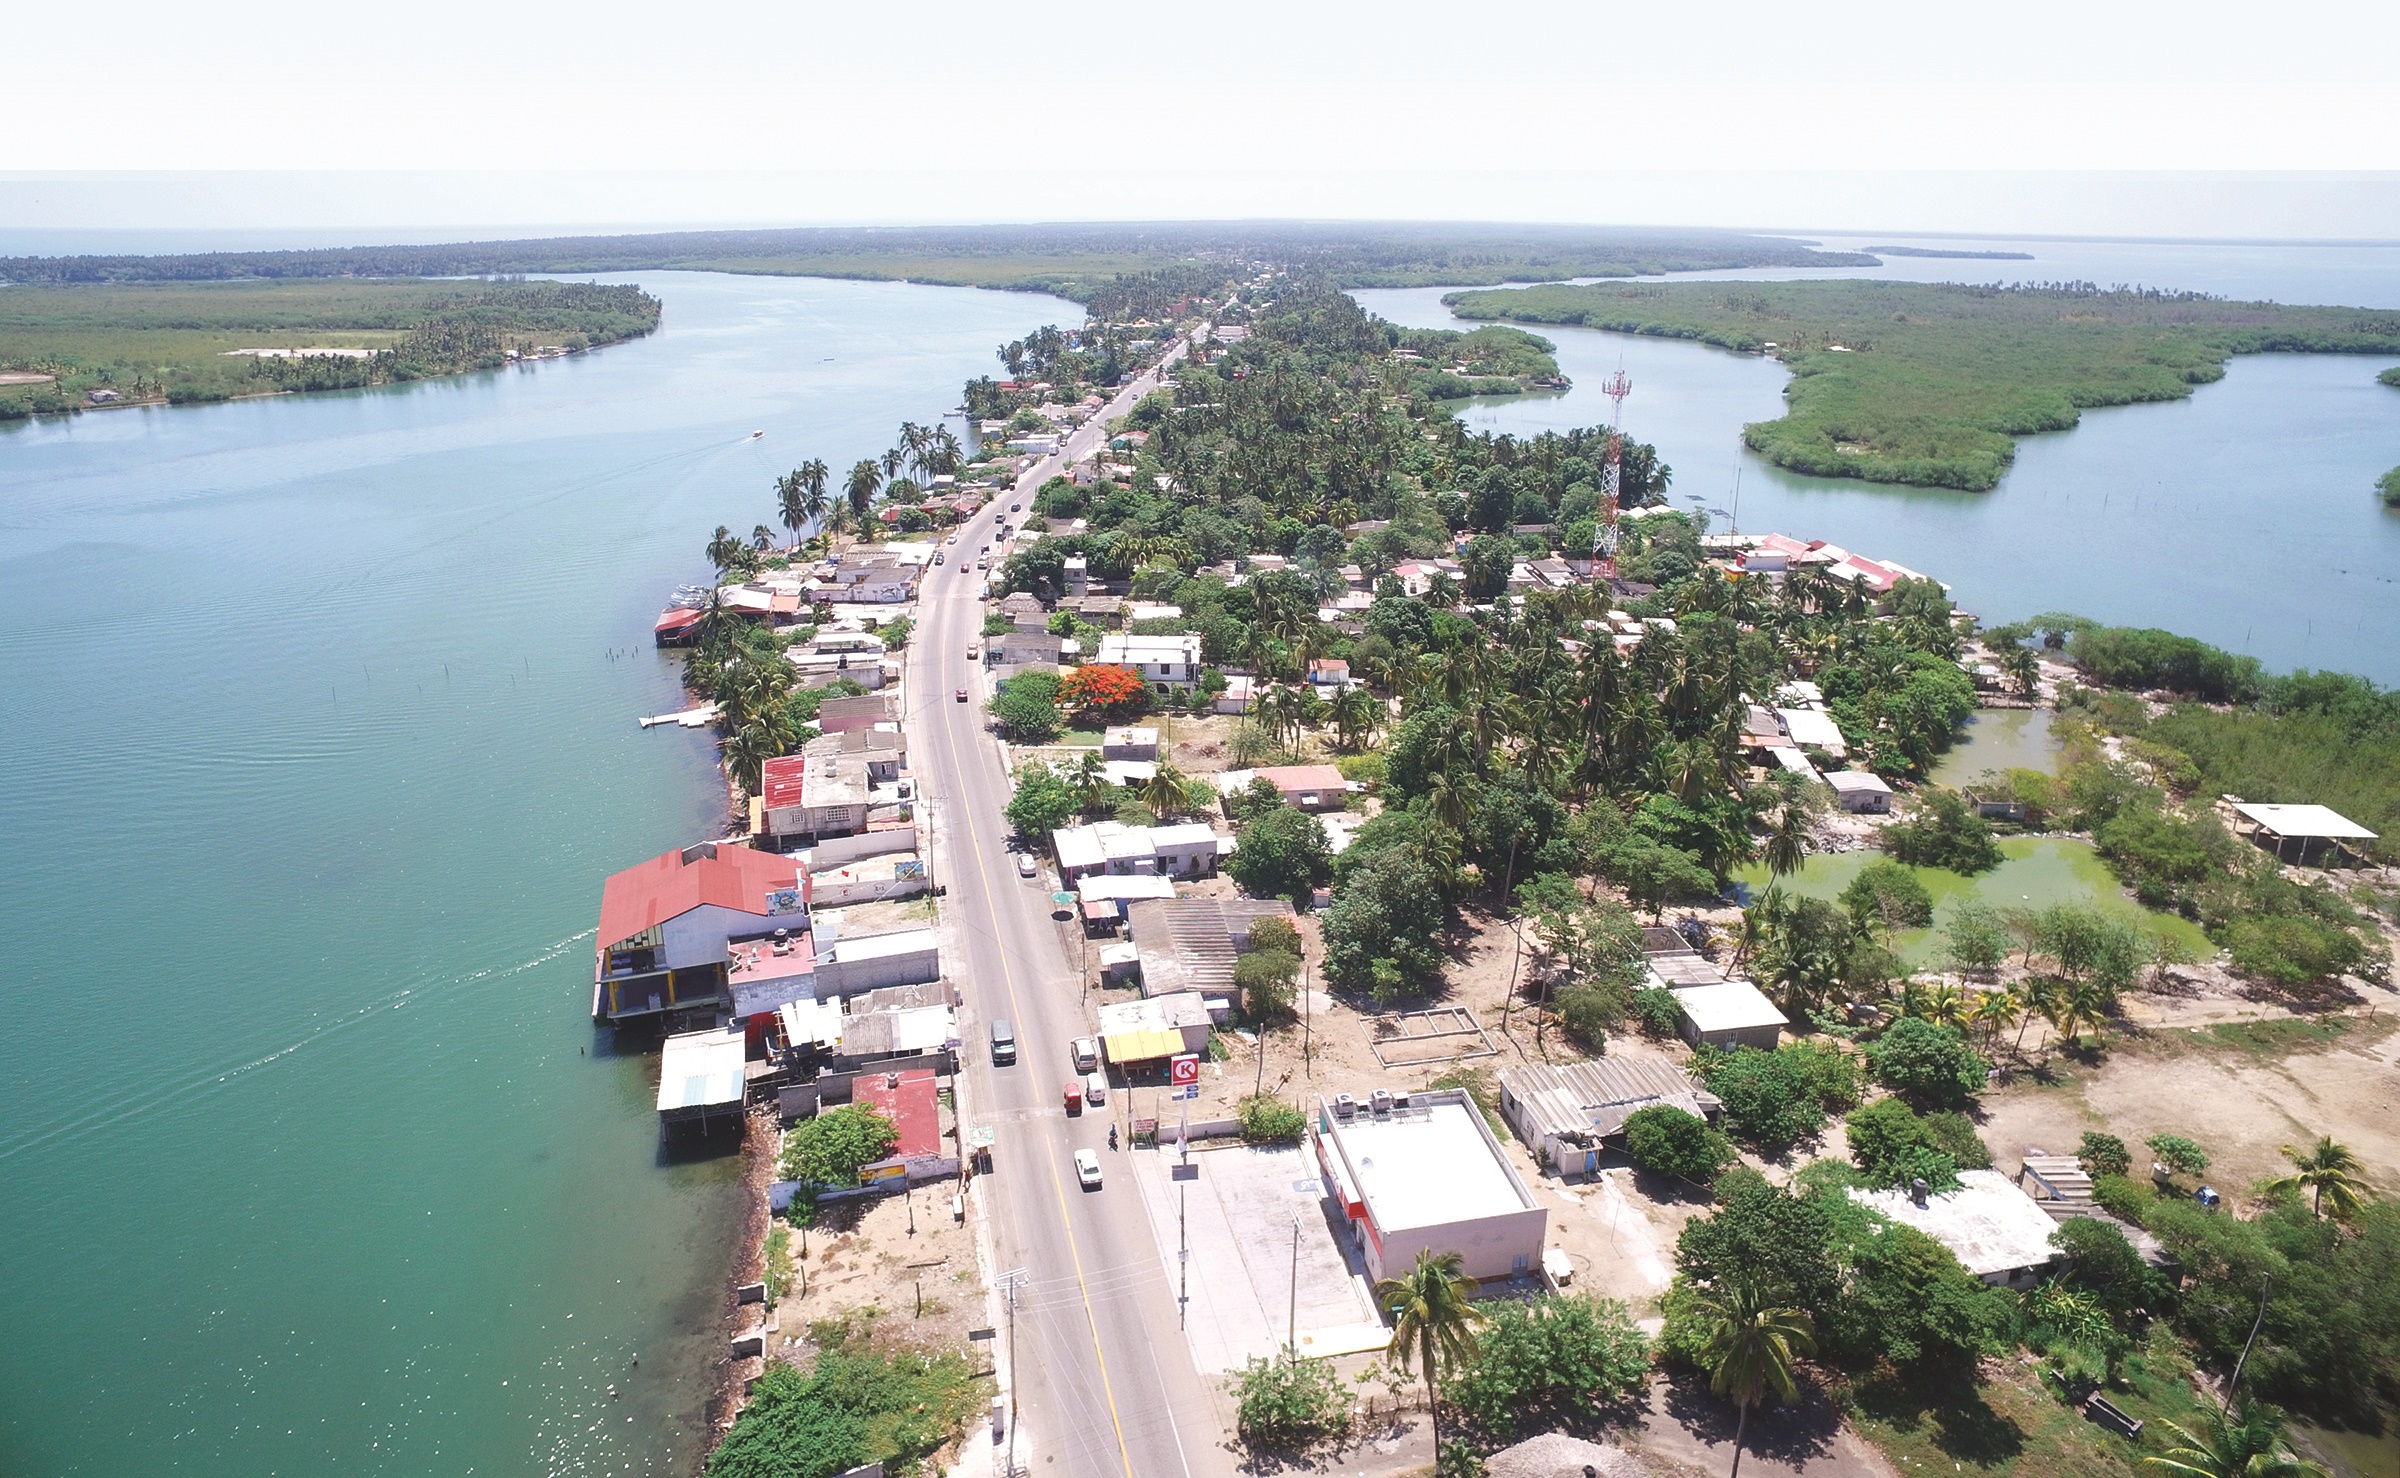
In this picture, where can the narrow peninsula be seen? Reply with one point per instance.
(69, 345)
(1930, 383)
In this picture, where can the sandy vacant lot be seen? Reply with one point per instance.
(2203, 1083)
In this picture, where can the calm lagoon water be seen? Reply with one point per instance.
(319, 725)
(2245, 515)
(1996, 739)
(2036, 872)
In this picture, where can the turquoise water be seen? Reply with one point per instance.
(319, 725)
(2245, 515)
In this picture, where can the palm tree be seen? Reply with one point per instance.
(1995, 1011)
(1452, 805)
(800, 497)
(2247, 1445)
(2023, 668)
(724, 550)
(1749, 1348)
(2328, 1172)
(866, 479)
(1356, 716)
(1164, 792)
(1787, 844)
(1433, 1316)
(762, 538)
(1090, 780)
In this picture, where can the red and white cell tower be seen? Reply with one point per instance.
(1604, 540)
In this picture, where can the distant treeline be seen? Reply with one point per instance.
(1929, 383)
(1076, 260)
(187, 342)
(1927, 251)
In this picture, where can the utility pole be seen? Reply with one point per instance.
(1011, 1280)
(1291, 1338)
(2234, 1384)
(1183, 1254)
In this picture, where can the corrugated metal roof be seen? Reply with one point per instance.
(779, 780)
(667, 886)
(1581, 1101)
(700, 1070)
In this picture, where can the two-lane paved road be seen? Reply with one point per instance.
(1106, 1384)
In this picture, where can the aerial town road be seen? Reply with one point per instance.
(1105, 1383)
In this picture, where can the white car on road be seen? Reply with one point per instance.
(1025, 864)
(1087, 1169)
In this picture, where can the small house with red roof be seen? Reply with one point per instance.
(668, 928)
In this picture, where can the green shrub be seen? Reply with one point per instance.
(1288, 1405)
(1266, 1119)
(1767, 1097)
(1673, 1142)
(1930, 1064)
(1658, 1012)
(1888, 895)
(830, 1149)
(1892, 1145)
(854, 1407)
(1546, 1363)
(2181, 1155)
(1944, 831)
(2103, 1154)
(2123, 1196)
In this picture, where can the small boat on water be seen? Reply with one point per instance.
(755, 435)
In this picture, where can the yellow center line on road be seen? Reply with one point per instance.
(1058, 1187)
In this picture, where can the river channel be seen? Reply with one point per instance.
(319, 725)
(2245, 515)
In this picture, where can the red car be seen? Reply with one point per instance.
(962, 695)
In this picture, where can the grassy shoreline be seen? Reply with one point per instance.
(193, 343)
(1929, 384)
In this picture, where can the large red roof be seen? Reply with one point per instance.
(668, 887)
(779, 781)
(911, 1106)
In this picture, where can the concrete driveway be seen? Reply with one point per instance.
(1240, 1211)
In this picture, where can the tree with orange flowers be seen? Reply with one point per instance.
(1114, 690)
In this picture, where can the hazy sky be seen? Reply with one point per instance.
(932, 111)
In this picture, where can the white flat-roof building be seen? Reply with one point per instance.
(1423, 1173)
(1860, 790)
(1734, 1014)
(1173, 660)
(1812, 728)
(1996, 1231)
(1184, 850)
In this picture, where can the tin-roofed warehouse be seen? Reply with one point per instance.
(1563, 1111)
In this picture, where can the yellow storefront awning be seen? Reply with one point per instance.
(1146, 1045)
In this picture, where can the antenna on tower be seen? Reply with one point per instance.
(1604, 539)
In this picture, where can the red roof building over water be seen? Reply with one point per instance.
(674, 883)
(908, 1100)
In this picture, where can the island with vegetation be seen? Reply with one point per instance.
(1930, 383)
(65, 346)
